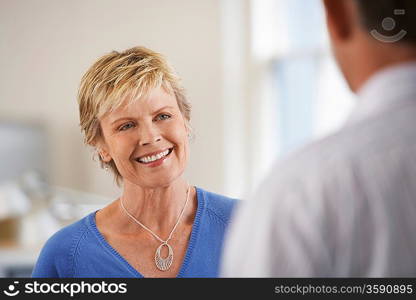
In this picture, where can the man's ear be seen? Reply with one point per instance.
(340, 18)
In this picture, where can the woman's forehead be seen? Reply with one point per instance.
(154, 100)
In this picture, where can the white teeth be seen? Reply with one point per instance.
(148, 159)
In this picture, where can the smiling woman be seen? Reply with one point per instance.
(134, 112)
(140, 136)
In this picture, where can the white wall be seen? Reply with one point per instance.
(47, 45)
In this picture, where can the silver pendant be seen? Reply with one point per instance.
(163, 264)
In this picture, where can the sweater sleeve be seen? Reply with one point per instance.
(45, 265)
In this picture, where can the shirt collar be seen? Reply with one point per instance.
(387, 87)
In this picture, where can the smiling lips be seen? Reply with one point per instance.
(154, 157)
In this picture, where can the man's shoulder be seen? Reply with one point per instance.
(351, 145)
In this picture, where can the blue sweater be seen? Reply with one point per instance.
(80, 250)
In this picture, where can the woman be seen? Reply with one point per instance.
(133, 111)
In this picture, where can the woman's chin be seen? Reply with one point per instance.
(154, 181)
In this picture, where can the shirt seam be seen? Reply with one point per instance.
(218, 216)
(74, 249)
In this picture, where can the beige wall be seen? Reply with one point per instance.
(46, 45)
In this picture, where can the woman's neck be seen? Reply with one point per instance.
(157, 208)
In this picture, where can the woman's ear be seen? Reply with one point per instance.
(104, 155)
(188, 128)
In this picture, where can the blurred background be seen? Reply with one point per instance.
(259, 74)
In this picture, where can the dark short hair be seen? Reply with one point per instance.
(373, 12)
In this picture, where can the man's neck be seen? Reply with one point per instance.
(381, 59)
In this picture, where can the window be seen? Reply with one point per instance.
(310, 97)
(281, 85)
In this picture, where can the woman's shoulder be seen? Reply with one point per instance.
(70, 233)
(56, 253)
(220, 205)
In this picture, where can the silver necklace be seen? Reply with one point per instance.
(162, 264)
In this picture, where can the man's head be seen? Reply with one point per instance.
(368, 35)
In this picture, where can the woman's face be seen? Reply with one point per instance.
(147, 139)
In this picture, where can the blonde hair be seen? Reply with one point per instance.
(119, 77)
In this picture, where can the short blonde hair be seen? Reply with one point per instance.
(119, 77)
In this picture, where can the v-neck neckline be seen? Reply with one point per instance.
(189, 250)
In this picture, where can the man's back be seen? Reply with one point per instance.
(343, 206)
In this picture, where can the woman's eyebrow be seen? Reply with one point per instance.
(163, 108)
(120, 119)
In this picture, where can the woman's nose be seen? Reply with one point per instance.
(149, 135)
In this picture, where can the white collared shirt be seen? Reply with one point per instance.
(344, 206)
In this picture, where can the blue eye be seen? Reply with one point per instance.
(163, 117)
(126, 126)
